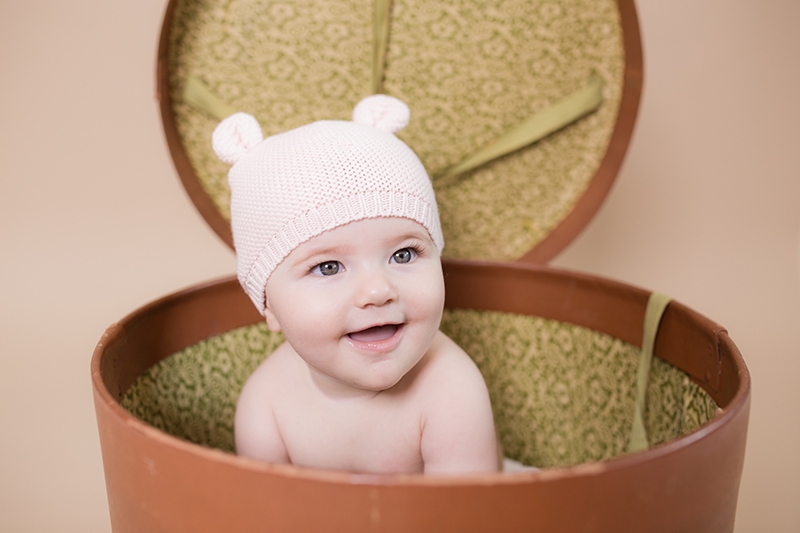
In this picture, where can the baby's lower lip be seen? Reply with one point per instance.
(377, 338)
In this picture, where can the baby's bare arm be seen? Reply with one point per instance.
(458, 435)
(255, 428)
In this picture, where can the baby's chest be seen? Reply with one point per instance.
(355, 439)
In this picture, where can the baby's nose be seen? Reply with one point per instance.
(375, 288)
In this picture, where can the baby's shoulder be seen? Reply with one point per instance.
(271, 377)
(448, 369)
(449, 356)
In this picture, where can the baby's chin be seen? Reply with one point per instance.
(379, 379)
(378, 383)
(364, 384)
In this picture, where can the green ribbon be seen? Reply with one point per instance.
(197, 94)
(656, 306)
(380, 41)
(561, 114)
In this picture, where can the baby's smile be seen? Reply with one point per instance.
(380, 337)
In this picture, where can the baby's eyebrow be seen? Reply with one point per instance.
(412, 235)
(322, 251)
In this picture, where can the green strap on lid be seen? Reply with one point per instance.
(380, 42)
(540, 125)
(197, 94)
(656, 306)
(562, 114)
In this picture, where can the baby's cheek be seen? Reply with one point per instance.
(432, 295)
(428, 311)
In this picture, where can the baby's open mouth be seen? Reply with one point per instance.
(375, 333)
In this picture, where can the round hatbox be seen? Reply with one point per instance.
(521, 112)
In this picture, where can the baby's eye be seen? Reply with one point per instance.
(328, 268)
(404, 256)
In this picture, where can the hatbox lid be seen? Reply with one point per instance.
(564, 76)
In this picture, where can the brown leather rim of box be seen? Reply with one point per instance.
(689, 484)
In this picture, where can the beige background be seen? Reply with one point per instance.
(94, 223)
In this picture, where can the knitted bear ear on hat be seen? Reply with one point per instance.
(383, 112)
(235, 136)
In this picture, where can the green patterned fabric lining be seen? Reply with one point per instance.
(470, 71)
(561, 394)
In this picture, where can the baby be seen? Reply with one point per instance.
(338, 244)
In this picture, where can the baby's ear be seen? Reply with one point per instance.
(272, 320)
(235, 136)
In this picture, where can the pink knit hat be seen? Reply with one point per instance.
(293, 186)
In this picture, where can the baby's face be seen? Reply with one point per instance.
(361, 304)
